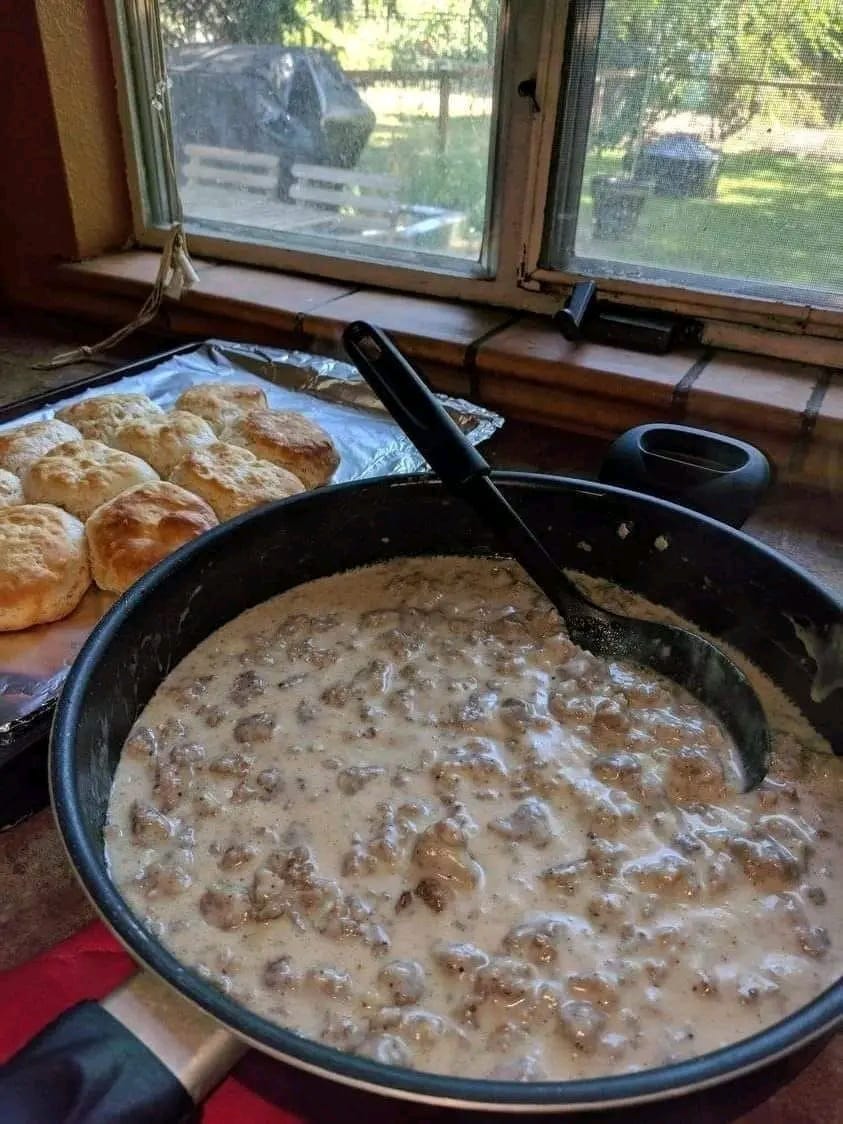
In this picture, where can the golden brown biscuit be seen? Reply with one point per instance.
(80, 475)
(11, 489)
(233, 480)
(129, 534)
(221, 403)
(22, 446)
(290, 440)
(43, 565)
(164, 440)
(100, 417)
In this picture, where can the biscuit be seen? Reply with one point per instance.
(221, 403)
(164, 440)
(22, 446)
(80, 475)
(233, 480)
(11, 489)
(43, 565)
(129, 534)
(289, 440)
(100, 417)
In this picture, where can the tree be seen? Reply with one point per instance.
(410, 32)
(245, 21)
(226, 21)
(658, 49)
(451, 31)
(487, 12)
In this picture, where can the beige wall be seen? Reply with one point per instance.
(63, 194)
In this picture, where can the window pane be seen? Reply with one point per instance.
(367, 124)
(714, 142)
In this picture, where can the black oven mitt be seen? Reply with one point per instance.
(87, 1068)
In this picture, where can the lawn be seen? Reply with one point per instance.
(775, 218)
(407, 147)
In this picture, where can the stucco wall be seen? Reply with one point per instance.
(63, 193)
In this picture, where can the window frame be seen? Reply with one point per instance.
(493, 280)
(563, 145)
(534, 40)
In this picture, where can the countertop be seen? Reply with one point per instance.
(41, 903)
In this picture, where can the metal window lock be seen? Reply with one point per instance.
(585, 317)
(527, 89)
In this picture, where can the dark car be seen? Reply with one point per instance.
(293, 102)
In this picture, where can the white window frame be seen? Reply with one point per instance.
(532, 42)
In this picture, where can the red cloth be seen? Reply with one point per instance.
(87, 966)
(262, 1090)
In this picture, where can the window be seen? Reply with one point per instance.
(496, 149)
(708, 141)
(354, 129)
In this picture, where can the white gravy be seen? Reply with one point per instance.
(397, 810)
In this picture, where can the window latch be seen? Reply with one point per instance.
(527, 89)
(585, 317)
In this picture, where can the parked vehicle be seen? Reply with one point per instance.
(293, 102)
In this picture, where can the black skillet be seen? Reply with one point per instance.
(115, 1061)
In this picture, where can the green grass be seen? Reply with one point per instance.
(775, 218)
(456, 179)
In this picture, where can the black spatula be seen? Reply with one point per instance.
(687, 659)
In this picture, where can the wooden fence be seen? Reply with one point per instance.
(446, 80)
(453, 80)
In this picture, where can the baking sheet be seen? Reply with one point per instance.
(33, 663)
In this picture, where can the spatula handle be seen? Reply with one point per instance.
(460, 467)
(413, 405)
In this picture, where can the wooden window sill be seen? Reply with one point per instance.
(518, 364)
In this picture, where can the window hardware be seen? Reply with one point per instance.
(527, 89)
(585, 317)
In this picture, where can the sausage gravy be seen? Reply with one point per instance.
(399, 811)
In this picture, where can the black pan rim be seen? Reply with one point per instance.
(814, 1020)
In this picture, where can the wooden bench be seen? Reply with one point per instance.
(365, 204)
(231, 167)
(341, 202)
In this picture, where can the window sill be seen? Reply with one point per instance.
(518, 364)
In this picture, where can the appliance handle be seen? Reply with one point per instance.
(141, 1056)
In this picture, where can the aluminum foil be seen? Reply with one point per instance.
(33, 663)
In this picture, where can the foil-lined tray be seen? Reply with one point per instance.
(34, 662)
